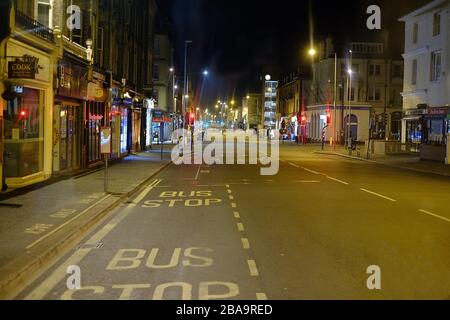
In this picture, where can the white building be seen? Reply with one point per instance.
(270, 103)
(368, 101)
(427, 78)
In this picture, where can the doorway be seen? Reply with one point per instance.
(68, 138)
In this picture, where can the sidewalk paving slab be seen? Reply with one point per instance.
(37, 226)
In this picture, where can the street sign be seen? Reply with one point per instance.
(106, 140)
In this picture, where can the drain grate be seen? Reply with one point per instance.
(95, 246)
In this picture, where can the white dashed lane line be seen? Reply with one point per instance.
(245, 243)
(434, 215)
(252, 267)
(337, 180)
(378, 195)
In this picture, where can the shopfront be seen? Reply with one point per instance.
(434, 145)
(94, 119)
(428, 128)
(26, 95)
(161, 127)
(68, 116)
(24, 133)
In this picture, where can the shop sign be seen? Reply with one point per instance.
(106, 140)
(35, 63)
(23, 68)
(437, 111)
(95, 117)
(72, 80)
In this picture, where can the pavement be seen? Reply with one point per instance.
(401, 161)
(38, 223)
(316, 230)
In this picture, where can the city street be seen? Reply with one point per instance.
(226, 232)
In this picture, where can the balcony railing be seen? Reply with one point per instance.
(34, 27)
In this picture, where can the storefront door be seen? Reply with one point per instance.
(68, 143)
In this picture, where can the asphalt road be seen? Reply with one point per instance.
(310, 232)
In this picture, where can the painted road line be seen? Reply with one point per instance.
(311, 171)
(294, 165)
(229, 191)
(245, 243)
(231, 197)
(378, 195)
(434, 215)
(240, 227)
(252, 267)
(233, 205)
(337, 180)
(60, 273)
(146, 191)
(261, 297)
(237, 215)
(198, 172)
(306, 181)
(205, 171)
(67, 222)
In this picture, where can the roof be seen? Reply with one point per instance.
(425, 9)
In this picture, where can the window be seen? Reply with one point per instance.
(397, 71)
(24, 134)
(156, 72)
(75, 35)
(436, 65)
(416, 33)
(43, 12)
(374, 94)
(100, 43)
(351, 94)
(157, 46)
(414, 73)
(375, 70)
(436, 24)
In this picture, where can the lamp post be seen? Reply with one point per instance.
(186, 43)
(349, 116)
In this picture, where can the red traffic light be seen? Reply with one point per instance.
(23, 114)
(192, 116)
(328, 118)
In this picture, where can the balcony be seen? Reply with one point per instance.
(34, 27)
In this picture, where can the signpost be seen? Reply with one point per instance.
(106, 149)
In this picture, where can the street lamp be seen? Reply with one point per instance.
(186, 43)
(312, 52)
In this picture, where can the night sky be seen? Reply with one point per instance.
(238, 41)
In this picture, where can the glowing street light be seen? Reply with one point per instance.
(312, 52)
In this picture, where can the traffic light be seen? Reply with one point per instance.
(22, 115)
(328, 118)
(303, 120)
(192, 119)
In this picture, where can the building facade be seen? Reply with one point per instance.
(68, 68)
(270, 104)
(252, 109)
(368, 93)
(163, 86)
(426, 94)
(291, 105)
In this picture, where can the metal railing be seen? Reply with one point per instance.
(34, 27)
